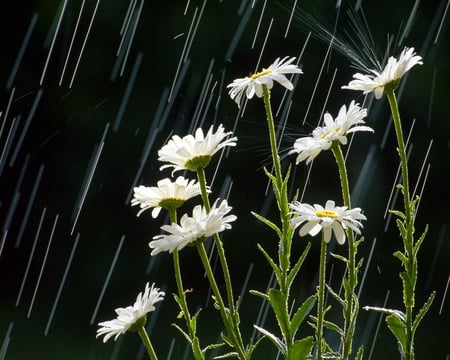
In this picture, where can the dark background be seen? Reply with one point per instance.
(53, 132)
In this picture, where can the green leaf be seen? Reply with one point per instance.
(402, 228)
(340, 300)
(298, 265)
(360, 353)
(420, 315)
(272, 264)
(301, 349)
(227, 356)
(268, 223)
(420, 241)
(301, 314)
(339, 257)
(332, 326)
(396, 313)
(277, 342)
(279, 306)
(260, 294)
(400, 214)
(397, 327)
(402, 257)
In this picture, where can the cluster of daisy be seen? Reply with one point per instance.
(194, 153)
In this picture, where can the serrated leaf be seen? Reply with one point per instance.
(279, 307)
(398, 213)
(336, 296)
(269, 223)
(339, 257)
(272, 264)
(360, 353)
(301, 349)
(420, 315)
(259, 294)
(227, 356)
(394, 312)
(332, 326)
(301, 314)
(298, 265)
(276, 341)
(402, 228)
(399, 255)
(397, 327)
(420, 241)
(182, 332)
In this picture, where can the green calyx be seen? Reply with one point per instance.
(198, 162)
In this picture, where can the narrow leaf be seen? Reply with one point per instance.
(279, 307)
(298, 265)
(272, 264)
(277, 342)
(301, 314)
(420, 241)
(420, 315)
(268, 223)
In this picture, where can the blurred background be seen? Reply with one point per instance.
(92, 89)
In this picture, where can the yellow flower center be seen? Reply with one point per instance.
(335, 130)
(261, 73)
(327, 213)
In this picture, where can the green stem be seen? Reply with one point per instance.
(219, 245)
(320, 299)
(182, 295)
(231, 322)
(281, 196)
(230, 325)
(147, 343)
(351, 307)
(408, 240)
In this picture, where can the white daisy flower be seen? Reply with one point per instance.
(308, 148)
(167, 195)
(337, 129)
(329, 219)
(390, 76)
(253, 85)
(346, 122)
(198, 226)
(133, 317)
(194, 152)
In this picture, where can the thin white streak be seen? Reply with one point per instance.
(63, 280)
(182, 55)
(444, 296)
(421, 169)
(245, 284)
(239, 31)
(42, 266)
(195, 30)
(126, 19)
(31, 256)
(259, 24)
(6, 341)
(89, 177)
(411, 18)
(8, 144)
(23, 47)
(71, 42)
(264, 45)
(84, 44)
(9, 217)
(133, 32)
(317, 81)
(442, 22)
(53, 42)
(423, 187)
(381, 316)
(5, 116)
(108, 277)
(363, 279)
(290, 19)
(128, 90)
(26, 126)
(186, 7)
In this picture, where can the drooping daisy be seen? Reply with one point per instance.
(389, 77)
(192, 228)
(329, 219)
(346, 122)
(194, 152)
(167, 195)
(253, 85)
(131, 318)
